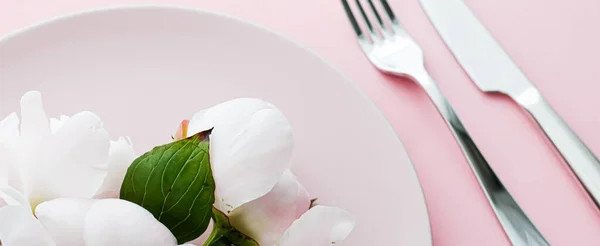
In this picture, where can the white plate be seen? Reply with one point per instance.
(144, 69)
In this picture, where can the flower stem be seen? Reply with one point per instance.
(217, 238)
(224, 234)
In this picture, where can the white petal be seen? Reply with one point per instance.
(9, 134)
(9, 128)
(121, 155)
(64, 219)
(13, 197)
(34, 122)
(320, 226)
(18, 227)
(119, 222)
(74, 157)
(250, 147)
(5, 161)
(267, 218)
(10, 164)
(56, 124)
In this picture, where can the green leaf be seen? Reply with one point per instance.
(223, 232)
(175, 183)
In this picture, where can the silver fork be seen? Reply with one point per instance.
(391, 50)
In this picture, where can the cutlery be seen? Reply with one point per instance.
(391, 50)
(492, 70)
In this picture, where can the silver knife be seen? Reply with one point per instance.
(492, 70)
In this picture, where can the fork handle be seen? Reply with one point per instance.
(517, 226)
(581, 160)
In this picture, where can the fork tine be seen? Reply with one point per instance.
(353, 21)
(377, 16)
(389, 12)
(364, 15)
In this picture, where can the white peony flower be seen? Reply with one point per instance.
(251, 148)
(268, 217)
(282, 217)
(54, 168)
(82, 222)
(45, 159)
(58, 169)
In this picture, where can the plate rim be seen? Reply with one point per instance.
(347, 79)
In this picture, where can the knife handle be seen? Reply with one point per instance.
(582, 161)
(517, 226)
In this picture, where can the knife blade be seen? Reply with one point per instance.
(492, 70)
(474, 47)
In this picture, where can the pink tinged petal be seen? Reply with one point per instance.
(76, 156)
(56, 124)
(34, 122)
(119, 222)
(320, 226)
(2, 203)
(18, 227)
(250, 147)
(182, 130)
(302, 201)
(266, 218)
(121, 155)
(64, 219)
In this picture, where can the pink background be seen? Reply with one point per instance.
(555, 42)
